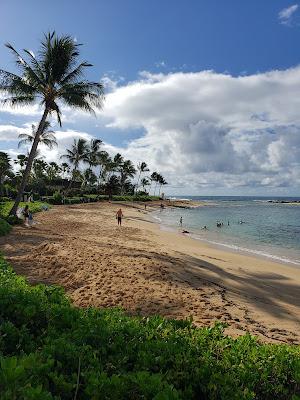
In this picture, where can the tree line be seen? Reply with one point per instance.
(85, 167)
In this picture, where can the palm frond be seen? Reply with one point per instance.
(27, 69)
(18, 89)
(76, 73)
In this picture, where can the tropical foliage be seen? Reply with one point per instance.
(53, 77)
(47, 136)
(52, 350)
(86, 169)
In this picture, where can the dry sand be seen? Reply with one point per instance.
(149, 271)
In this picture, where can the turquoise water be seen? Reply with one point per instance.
(268, 229)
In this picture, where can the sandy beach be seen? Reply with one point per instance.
(149, 271)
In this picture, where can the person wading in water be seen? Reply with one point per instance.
(119, 216)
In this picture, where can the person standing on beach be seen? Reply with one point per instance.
(26, 215)
(119, 216)
(180, 221)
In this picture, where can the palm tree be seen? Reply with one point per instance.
(75, 155)
(89, 178)
(53, 77)
(142, 167)
(105, 164)
(5, 169)
(126, 170)
(153, 178)
(65, 169)
(47, 136)
(112, 185)
(93, 152)
(118, 162)
(145, 182)
(161, 181)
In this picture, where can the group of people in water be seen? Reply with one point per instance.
(219, 224)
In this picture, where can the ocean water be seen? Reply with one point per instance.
(268, 230)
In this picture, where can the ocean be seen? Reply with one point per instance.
(270, 230)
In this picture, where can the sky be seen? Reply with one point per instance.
(205, 91)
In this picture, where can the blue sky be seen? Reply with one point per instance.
(133, 35)
(179, 40)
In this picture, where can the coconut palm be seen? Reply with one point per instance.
(161, 182)
(126, 170)
(47, 136)
(141, 167)
(5, 169)
(53, 77)
(145, 182)
(75, 155)
(89, 178)
(93, 152)
(118, 162)
(112, 185)
(65, 169)
(105, 164)
(153, 178)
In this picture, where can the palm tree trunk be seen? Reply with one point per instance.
(138, 181)
(31, 156)
(72, 178)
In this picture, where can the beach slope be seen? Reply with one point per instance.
(149, 271)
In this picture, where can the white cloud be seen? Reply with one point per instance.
(203, 130)
(285, 16)
(207, 130)
(11, 132)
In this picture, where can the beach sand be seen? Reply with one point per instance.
(149, 271)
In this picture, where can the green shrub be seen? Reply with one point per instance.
(45, 343)
(57, 198)
(13, 220)
(4, 227)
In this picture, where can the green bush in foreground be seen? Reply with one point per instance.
(52, 350)
(4, 227)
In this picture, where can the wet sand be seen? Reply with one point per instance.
(149, 271)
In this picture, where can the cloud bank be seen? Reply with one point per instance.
(206, 132)
(214, 130)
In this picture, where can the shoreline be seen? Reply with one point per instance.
(228, 247)
(261, 253)
(148, 271)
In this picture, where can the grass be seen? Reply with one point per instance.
(34, 207)
(6, 206)
(50, 349)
